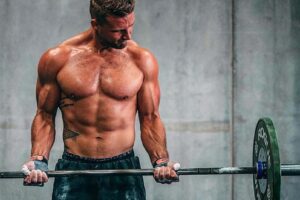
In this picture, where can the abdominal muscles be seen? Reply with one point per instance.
(99, 126)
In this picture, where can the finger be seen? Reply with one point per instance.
(44, 177)
(39, 176)
(33, 176)
(156, 173)
(168, 173)
(27, 179)
(162, 173)
(165, 175)
(170, 176)
(174, 175)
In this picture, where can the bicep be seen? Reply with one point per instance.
(47, 89)
(47, 96)
(148, 99)
(149, 94)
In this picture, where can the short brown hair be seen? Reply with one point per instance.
(99, 9)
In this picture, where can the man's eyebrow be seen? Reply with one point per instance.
(122, 29)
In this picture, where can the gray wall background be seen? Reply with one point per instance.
(223, 65)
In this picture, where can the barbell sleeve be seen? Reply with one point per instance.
(290, 170)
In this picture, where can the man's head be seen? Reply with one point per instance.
(100, 9)
(112, 21)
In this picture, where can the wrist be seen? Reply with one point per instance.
(160, 162)
(39, 158)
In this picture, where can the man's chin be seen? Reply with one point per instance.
(121, 45)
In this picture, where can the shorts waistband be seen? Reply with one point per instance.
(72, 157)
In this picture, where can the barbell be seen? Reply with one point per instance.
(266, 169)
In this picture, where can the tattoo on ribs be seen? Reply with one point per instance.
(67, 101)
(64, 105)
(69, 134)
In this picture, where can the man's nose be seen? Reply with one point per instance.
(126, 35)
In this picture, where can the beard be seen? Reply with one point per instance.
(116, 44)
(120, 44)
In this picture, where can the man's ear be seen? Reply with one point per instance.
(94, 24)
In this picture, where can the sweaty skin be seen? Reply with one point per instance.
(99, 79)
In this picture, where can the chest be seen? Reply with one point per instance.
(117, 77)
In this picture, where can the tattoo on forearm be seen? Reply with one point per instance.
(69, 134)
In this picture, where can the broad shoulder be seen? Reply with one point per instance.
(56, 57)
(144, 58)
(52, 61)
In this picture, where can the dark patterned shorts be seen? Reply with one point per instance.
(98, 187)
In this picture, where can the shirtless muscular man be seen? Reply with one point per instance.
(99, 79)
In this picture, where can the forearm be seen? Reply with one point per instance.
(42, 134)
(154, 137)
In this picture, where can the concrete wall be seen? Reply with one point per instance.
(266, 83)
(192, 42)
(223, 64)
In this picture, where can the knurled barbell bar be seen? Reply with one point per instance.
(266, 169)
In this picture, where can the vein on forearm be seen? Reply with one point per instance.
(43, 133)
(154, 136)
